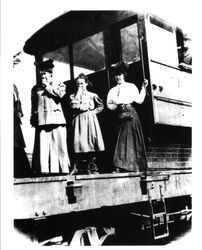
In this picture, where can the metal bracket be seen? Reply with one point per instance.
(147, 181)
(73, 190)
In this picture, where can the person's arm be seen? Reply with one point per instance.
(34, 112)
(74, 102)
(18, 105)
(140, 96)
(110, 102)
(99, 106)
(56, 89)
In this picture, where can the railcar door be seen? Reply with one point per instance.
(123, 42)
(170, 87)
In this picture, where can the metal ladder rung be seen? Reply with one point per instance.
(160, 216)
(161, 236)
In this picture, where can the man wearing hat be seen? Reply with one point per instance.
(50, 148)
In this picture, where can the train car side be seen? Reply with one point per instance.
(92, 41)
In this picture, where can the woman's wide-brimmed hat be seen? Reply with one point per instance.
(46, 66)
(120, 67)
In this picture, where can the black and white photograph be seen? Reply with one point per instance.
(96, 131)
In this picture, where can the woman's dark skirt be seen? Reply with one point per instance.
(130, 153)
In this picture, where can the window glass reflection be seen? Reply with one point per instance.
(61, 61)
(88, 54)
(130, 43)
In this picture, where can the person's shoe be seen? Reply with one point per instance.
(92, 168)
(116, 171)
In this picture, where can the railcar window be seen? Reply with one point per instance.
(88, 54)
(161, 23)
(162, 45)
(130, 44)
(184, 51)
(61, 62)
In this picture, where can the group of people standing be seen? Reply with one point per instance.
(50, 153)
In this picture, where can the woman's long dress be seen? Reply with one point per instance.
(129, 153)
(87, 132)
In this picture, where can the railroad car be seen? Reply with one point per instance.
(91, 209)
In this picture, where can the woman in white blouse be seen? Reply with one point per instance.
(129, 154)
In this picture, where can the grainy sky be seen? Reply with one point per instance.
(24, 17)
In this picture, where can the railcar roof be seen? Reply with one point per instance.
(69, 27)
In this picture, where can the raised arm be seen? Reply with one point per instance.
(56, 89)
(140, 96)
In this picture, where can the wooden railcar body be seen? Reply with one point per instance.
(46, 196)
(93, 40)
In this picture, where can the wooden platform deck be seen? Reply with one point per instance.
(45, 196)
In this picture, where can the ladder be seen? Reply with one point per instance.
(158, 216)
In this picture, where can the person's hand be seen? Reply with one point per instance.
(117, 101)
(145, 83)
(185, 67)
(44, 83)
(83, 108)
(78, 94)
(34, 120)
(19, 114)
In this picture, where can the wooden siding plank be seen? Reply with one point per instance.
(36, 199)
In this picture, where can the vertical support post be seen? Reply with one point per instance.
(71, 61)
(38, 60)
